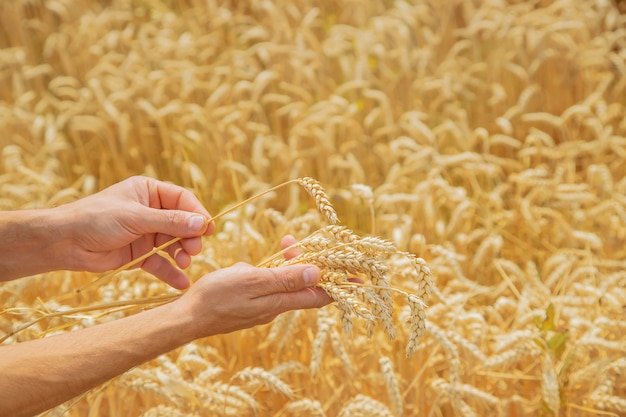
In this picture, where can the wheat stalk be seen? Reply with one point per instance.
(391, 383)
(109, 308)
(303, 406)
(364, 406)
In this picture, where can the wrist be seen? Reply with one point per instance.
(30, 242)
(188, 328)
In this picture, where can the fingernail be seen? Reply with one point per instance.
(196, 223)
(311, 275)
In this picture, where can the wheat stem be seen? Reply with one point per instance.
(122, 303)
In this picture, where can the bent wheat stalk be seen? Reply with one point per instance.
(116, 305)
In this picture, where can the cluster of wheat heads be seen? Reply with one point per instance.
(342, 255)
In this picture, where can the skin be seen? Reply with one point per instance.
(104, 232)
(107, 230)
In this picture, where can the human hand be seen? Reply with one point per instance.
(242, 296)
(119, 224)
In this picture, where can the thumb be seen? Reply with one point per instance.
(176, 223)
(293, 287)
(292, 278)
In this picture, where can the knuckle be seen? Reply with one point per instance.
(288, 280)
(266, 319)
(173, 218)
(278, 305)
(136, 179)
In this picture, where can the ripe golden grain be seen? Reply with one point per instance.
(304, 406)
(391, 383)
(341, 255)
(256, 376)
(364, 406)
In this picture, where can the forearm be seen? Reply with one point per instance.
(43, 373)
(31, 242)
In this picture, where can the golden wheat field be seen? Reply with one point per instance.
(487, 139)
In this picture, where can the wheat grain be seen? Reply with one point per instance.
(255, 376)
(364, 406)
(208, 375)
(450, 350)
(340, 254)
(324, 325)
(611, 402)
(191, 363)
(304, 407)
(165, 411)
(391, 383)
(488, 399)
(468, 346)
(340, 351)
(550, 385)
(603, 396)
(142, 383)
(559, 272)
(417, 323)
(349, 303)
(590, 372)
(227, 399)
(486, 251)
(283, 327)
(509, 357)
(363, 192)
(316, 191)
(289, 368)
(449, 390)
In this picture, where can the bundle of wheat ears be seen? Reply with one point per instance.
(341, 254)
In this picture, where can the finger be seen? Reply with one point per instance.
(168, 196)
(286, 242)
(166, 272)
(284, 279)
(312, 297)
(192, 245)
(181, 251)
(174, 197)
(182, 258)
(174, 223)
(174, 250)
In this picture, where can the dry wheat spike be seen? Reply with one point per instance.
(341, 256)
